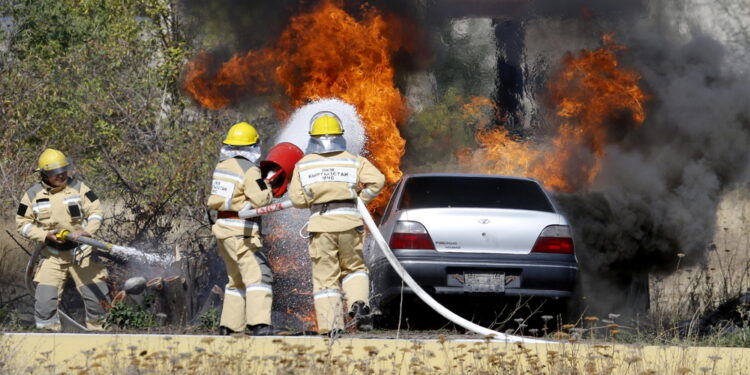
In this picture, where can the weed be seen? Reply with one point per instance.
(209, 320)
(125, 316)
(9, 319)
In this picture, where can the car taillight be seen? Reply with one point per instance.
(411, 235)
(554, 239)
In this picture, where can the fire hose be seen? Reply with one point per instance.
(421, 293)
(255, 212)
(123, 251)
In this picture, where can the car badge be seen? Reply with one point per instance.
(484, 221)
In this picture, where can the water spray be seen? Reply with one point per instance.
(123, 251)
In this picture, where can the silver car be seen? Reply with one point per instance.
(463, 234)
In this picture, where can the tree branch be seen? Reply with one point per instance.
(16, 241)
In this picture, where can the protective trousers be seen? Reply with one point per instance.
(337, 264)
(89, 277)
(248, 294)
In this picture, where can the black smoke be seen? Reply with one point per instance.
(234, 26)
(527, 9)
(657, 195)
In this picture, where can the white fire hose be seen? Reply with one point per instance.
(424, 296)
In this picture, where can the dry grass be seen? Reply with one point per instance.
(243, 355)
(16, 303)
(12, 259)
(691, 291)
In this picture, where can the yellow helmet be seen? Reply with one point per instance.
(324, 123)
(241, 134)
(52, 162)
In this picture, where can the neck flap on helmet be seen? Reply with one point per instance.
(251, 152)
(325, 144)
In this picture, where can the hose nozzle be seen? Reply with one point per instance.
(62, 235)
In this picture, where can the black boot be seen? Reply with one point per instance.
(224, 331)
(260, 330)
(361, 314)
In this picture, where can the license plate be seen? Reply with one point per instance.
(485, 282)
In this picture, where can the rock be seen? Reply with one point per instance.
(135, 285)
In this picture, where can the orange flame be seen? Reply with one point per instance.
(286, 264)
(307, 318)
(283, 260)
(328, 53)
(593, 96)
(238, 76)
(321, 54)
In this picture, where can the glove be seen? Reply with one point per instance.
(79, 233)
(52, 237)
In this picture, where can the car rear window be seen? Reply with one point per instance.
(473, 192)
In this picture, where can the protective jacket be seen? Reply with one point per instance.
(326, 182)
(237, 184)
(44, 208)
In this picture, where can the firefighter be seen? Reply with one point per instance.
(60, 202)
(328, 180)
(236, 185)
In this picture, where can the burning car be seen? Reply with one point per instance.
(473, 235)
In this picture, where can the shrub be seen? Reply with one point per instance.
(209, 320)
(126, 316)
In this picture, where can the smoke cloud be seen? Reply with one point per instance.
(230, 26)
(657, 195)
(525, 9)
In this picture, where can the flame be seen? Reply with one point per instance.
(297, 291)
(285, 264)
(307, 318)
(321, 54)
(594, 99)
(283, 260)
(236, 77)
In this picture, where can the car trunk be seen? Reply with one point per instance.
(474, 230)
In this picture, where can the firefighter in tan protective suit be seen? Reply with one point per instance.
(237, 184)
(55, 203)
(328, 180)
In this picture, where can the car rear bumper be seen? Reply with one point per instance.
(531, 275)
